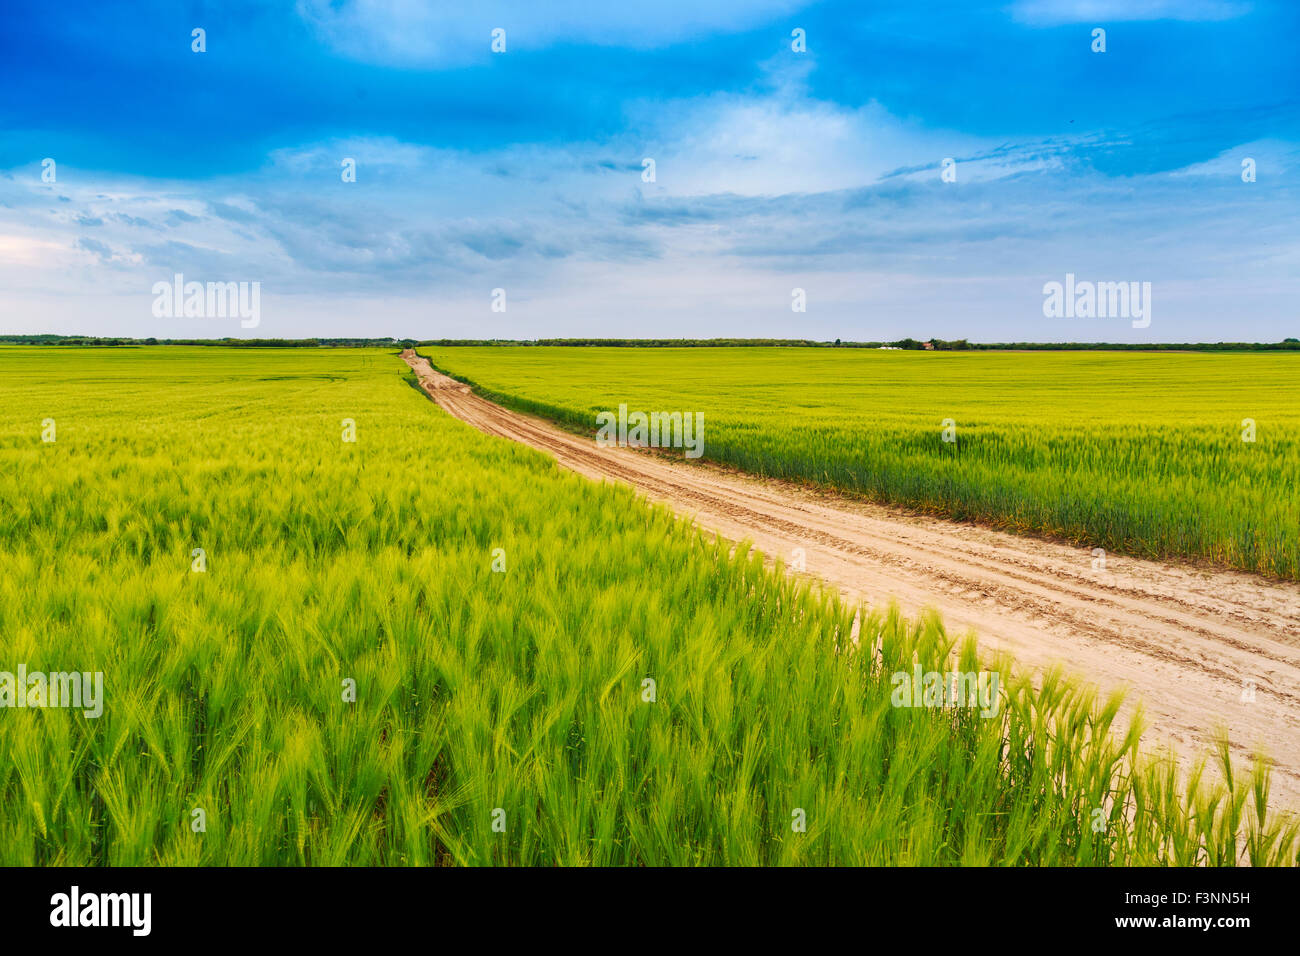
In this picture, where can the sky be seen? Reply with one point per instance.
(914, 170)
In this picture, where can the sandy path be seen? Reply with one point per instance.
(1185, 641)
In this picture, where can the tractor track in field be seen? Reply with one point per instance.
(1187, 642)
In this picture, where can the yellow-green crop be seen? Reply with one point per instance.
(1193, 455)
(428, 646)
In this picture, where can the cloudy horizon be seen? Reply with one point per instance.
(914, 173)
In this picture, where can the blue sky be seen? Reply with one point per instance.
(774, 169)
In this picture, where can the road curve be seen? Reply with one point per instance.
(1194, 645)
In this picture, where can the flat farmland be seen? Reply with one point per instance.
(330, 624)
(1158, 455)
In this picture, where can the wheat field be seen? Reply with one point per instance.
(425, 646)
(1159, 455)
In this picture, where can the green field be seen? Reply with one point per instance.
(500, 716)
(1137, 453)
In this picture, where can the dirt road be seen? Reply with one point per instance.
(1190, 643)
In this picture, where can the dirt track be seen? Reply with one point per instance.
(1186, 641)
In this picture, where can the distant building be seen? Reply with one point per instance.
(928, 345)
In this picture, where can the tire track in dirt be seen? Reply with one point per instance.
(1184, 640)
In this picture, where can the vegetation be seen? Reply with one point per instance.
(119, 341)
(1140, 454)
(941, 345)
(514, 697)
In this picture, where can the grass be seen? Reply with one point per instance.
(500, 717)
(1137, 453)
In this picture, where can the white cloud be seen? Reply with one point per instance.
(1054, 12)
(783, 141)
(417, 33)
(1273, 159)
(27, 251)
(754, 195)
